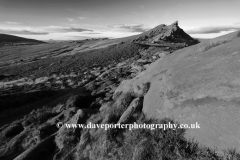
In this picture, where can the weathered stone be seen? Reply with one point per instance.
(196, 84)
(67, 135)
(136, 105)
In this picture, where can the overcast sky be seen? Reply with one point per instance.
(77, 19)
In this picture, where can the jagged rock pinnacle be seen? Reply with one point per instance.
(175, 23)
(170, 33)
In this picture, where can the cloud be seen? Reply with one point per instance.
(13, 23)
(75, 30)
(44, 30)
(23, 32)
(70, 19)
(141, 6)
(93, 33)
(213, 29)
(77, 37)
(129, 27)
(60, 29)
(237, 23)
(82, 18)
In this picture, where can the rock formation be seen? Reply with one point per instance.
(196, 84)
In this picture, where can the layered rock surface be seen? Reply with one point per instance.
(200, 84)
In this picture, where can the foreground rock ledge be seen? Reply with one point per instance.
(200, 84)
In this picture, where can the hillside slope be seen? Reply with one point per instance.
(6, 39)
(196, 84)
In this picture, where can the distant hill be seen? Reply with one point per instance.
(6, 39)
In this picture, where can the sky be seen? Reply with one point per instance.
(81, 19)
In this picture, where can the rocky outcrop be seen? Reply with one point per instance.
(66, 135)
(196, 85)
(161, 34)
